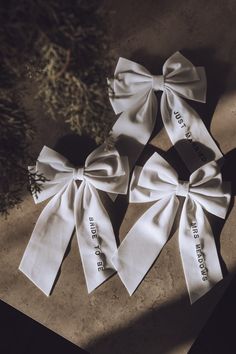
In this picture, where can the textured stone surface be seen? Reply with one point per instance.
(158, 318)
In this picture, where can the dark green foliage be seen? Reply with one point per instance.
(16, 134)
(62, 48)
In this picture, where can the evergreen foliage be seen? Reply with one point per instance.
(62, 48)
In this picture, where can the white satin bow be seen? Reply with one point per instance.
(133, 93)
(204, 192)
(72, 206)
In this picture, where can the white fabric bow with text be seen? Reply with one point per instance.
(132, 91)
(158, 182)
(73, 206)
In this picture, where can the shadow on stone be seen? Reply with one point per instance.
(157, 331)
(217, 72)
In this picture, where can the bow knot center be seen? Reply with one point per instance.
(182, 188)
(158, 82)
(78, 173)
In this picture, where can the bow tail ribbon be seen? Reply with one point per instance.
(133, 128)
(95, 236)
(198, 251)
(144, 242)
(187, 132)
(50, 238)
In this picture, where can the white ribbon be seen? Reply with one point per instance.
(71, 206)
(204, 192)
(133, 93)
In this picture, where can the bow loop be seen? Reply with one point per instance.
(130, 85)
(184, 79)
(207, 188)
(180, 68)
(57, 171)
(107, 170)
(157, 175)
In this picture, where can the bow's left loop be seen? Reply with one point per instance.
(74, 205)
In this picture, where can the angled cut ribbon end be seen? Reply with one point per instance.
(93, 284)
(45, 289)
(125, 277)
(194, 296)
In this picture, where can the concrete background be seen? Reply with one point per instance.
(158, 318)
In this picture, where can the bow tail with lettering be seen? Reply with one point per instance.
(187, 132)
(95, 237)
(198, 250)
